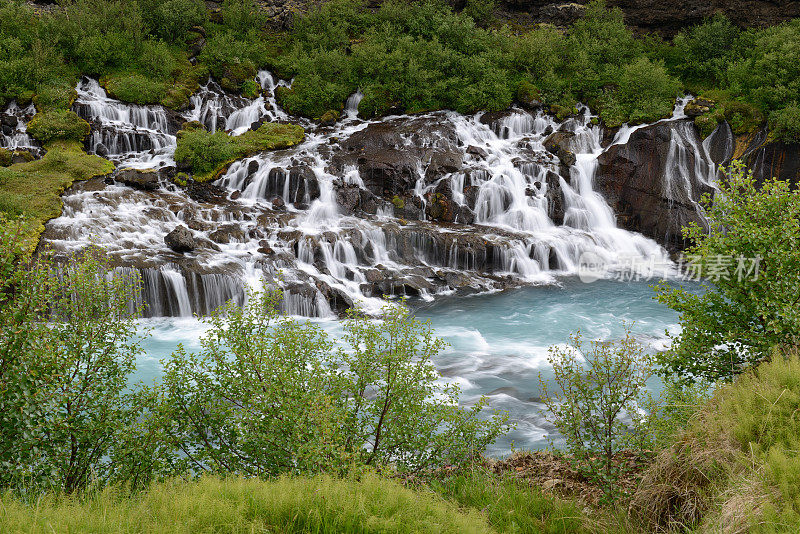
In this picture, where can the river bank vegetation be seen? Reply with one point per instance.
(368, 427)
(270, 425)
(403, 56)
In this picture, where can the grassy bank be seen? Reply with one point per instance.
(207, 155)
(33, 189)
(737, 466)
(320, 504)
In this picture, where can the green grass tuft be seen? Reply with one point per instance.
(321, 505)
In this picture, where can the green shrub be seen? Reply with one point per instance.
(703, 53)
(597, 390)
(480, 11)
(785, 123)
(58, 94)
(171, 20)
(62, 125)
(63, 380)
(304, 407)
(748, 256)
(646, 93)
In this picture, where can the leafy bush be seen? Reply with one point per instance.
(786, 122)
(63, 380)
(267, 396)
(598, 389)
(58, 125)
(171, 20)
(704, 53)
(646, 93)
(480, 10)
(750, 306)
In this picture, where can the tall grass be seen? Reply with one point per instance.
(737, 467)
(319, 505)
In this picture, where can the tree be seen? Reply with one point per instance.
(267, 395)
(751, 299)
(596, 406)
(67, 348)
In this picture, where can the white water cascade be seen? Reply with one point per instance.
(448, 203)
(13, 134)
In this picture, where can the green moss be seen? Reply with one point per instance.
(58, 124)
(329, 118)
(398, 202)
(250, 89)
(208, 155)
(744, 118)
(6, 157)
(134, 87)
(181, 179)
(58, 94)
(33, 189)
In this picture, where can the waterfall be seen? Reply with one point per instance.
(320, 222)
(14, 127)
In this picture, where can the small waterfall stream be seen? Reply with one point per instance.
(478, 205)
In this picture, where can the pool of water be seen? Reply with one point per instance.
(497, 343)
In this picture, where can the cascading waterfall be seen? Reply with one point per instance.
(308, 219)
(14, 127)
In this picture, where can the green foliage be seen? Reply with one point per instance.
(480, 11)
(66, 350)
(509, 505)
(207, 154)
(703, 54)
(266, 396)
(171, 20)
(646, 93)
(786, 122)
(59, 125)
(596, 407)
(320, 504)
(769, 76)
(234, 58)
(33, 189)
(738, 319)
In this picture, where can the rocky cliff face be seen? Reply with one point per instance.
(666, 18)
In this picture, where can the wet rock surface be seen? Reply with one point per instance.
(404, 206)
(653, 189)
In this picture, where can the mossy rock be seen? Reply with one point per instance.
(329, 118)
(6, 157)
(33, 189)
(706, 125)
(53, 125)
(398, 202)
(528, 95)
(251, 89)
(207, 155)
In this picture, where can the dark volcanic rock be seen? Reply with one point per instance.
(146, 180)
(634, 180)
(666, 18)
(181, 240)
(558, 143)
